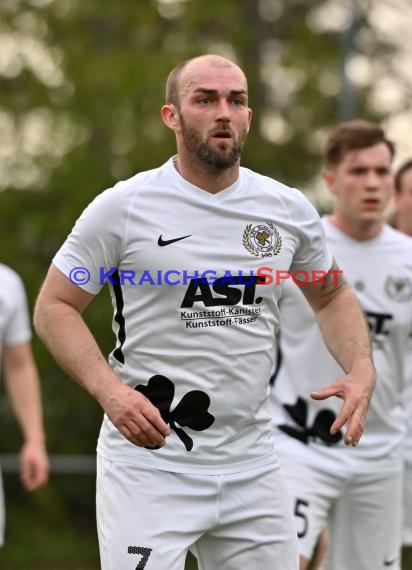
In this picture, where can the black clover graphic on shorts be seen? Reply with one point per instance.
(190, 412)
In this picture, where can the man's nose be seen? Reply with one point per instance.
(373, 179)
(223, 110)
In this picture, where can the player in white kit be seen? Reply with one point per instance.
(403, 222)
(185, 453)
(21, 383)
(357, 491)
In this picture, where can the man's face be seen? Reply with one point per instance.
(362, 184)
(403, 198)
(213, 112)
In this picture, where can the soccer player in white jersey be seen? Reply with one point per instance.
(403, 222)
(359, 490)
(403, 198)
(21, 383)
(185, 453)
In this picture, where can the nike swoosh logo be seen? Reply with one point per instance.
(163, 242)
(390, 562)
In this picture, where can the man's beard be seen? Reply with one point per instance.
(206, 153)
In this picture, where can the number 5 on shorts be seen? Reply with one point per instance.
(144, 553)
(299, 512)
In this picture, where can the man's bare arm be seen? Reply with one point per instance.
(59, 323)
(23, 388)
(346, 334)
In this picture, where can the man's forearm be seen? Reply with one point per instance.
(24, 394)
(69, 340)
(345, 331)
(59, 324)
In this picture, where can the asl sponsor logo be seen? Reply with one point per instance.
(378, 322)
(223, 293)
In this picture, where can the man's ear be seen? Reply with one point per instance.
(170, 116)
(329, 178)
(249, 120)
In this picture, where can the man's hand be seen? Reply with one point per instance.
(34, 465)
(346, 334)
(135, 416)
(356, 390)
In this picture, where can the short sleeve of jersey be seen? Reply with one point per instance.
(313, 253)
(94, 245)
(15, 321)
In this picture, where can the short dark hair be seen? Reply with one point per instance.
(172, 83)
(353, 135)
(400, 172)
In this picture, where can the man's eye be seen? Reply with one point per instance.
(238, 102)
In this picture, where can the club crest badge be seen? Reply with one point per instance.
(262, 240)
(399, 289)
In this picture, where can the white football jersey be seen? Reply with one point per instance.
(194, 324)
(380, 272)
(14, 314)
(408, 400)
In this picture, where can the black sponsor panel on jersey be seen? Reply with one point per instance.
(224, 287)
(191, 411)
(319, 430)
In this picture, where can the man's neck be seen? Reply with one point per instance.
(359, 230)
(204, 177)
